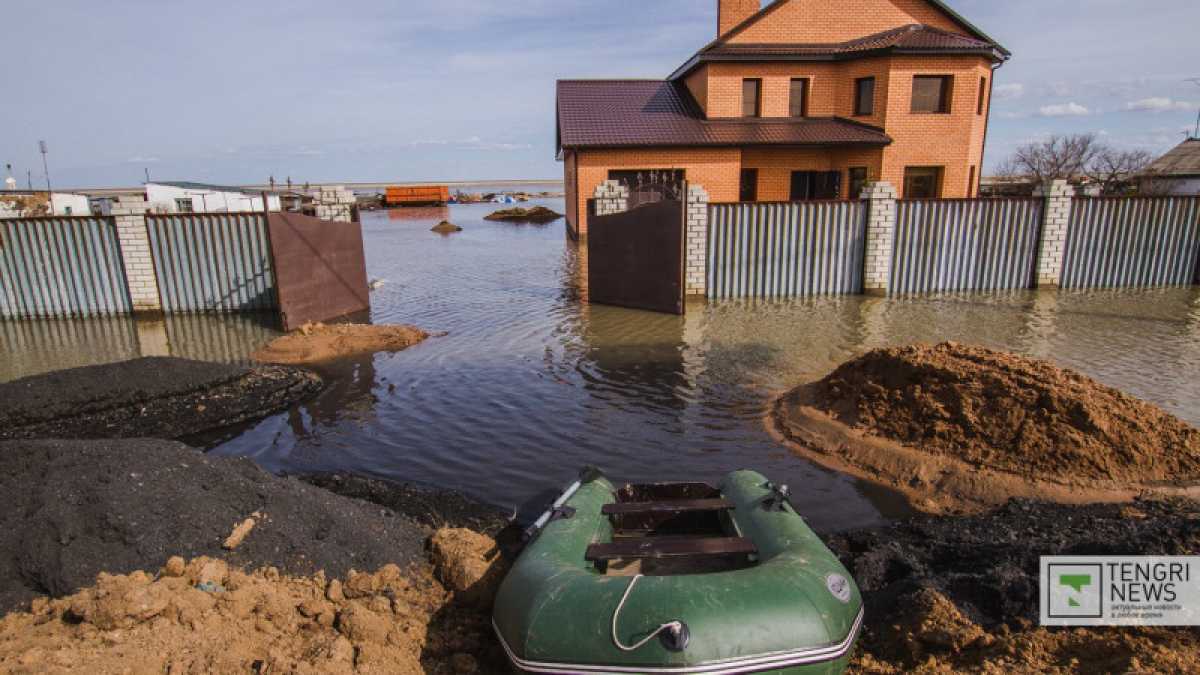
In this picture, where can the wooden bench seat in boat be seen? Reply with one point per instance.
(671, 506)
(669, 547)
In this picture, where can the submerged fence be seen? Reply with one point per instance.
(215, 262)
(61, 267)
(965, 244)
(785, 250)
(1132, 242)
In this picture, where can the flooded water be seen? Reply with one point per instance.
(529, 383)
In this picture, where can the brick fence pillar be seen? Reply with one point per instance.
(611, 197)
(1056, 218)
(881, 235)
(130, 216)
(696, 233)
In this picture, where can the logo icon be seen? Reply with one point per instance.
(1075, 590)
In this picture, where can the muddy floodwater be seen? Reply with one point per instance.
(530, 383)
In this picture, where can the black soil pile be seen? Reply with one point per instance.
(433, 508)
(149, 397)
(71, 509)
(946, 593)
(537, 214)
(1011, 413)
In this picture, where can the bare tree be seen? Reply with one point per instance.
(1115, 171)
(1057, 157)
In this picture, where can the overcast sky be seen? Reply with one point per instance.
(225, 91)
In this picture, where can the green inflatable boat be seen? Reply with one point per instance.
(676, 578)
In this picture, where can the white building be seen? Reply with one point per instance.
(27, 204)
(1175, 173)
(187, 197)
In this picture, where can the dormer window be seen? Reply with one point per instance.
(752, 98)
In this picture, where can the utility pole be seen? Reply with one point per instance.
(29, 178)
(1196, 81)
(147, 170)
(45, 166)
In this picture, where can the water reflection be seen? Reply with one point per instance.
(530, 383)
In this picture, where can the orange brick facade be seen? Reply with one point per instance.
(953, 141)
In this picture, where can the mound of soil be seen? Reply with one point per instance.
(960, 594)
(148, 397)
(71, 509)
(446, 227)
(202, 617)
(537, 214)
(314, 343)
(955, 425)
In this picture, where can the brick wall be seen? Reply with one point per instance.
(819, 21)
(716, 169)
(129, 212)
(696, 253)
(1055, 220)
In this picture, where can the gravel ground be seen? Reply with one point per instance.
(148, 397)
(71, 509)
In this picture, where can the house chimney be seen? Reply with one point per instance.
(732, 12)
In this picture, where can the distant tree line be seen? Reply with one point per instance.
(1082, 159)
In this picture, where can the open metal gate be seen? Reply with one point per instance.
(635, 257)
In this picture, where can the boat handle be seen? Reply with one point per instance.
(677, 635)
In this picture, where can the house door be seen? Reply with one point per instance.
(808, 185)
(635, 257)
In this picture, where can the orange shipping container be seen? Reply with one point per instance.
(417, 195)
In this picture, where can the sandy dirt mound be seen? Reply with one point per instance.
(445, 227)
(147, 397)
(202, 617)
(318, 342)
(958, 427)
(960, 594)
(71, 509)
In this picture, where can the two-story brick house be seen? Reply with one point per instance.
(802, 99)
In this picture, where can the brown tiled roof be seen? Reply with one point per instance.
(634, 113)
(1182, 160)
(911, 39)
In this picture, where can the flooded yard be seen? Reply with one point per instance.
(530, 383)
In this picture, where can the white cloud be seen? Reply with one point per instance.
(1064, 110)
(1004, 92)
(1159, 104)
(139, 159)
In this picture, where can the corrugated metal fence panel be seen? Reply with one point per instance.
(212, 262)
(1148, 241)
(785, 250)
(61, 267)
(965, 244)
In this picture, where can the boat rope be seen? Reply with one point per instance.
(674, 626)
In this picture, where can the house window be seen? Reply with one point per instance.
(183, 205)
(982, 94)
(751, 98)
(931, 93)
(798, 106)
(858, 180)
(971, 183)
(922, 182)
(864, 96)
(808, 185)
(748, 190)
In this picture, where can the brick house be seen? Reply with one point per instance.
(802, 99)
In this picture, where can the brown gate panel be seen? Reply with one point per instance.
(320, 268)
(635, 258)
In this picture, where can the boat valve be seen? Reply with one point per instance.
(778, 497)
(676, 637)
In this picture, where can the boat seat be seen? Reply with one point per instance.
(669, 547)
(671, 506)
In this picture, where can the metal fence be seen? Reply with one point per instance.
(965, 244)
(212, 262)
(785, 250)
(61, 267)
(1152, 241)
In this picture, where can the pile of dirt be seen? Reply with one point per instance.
(148, 397)
(71, 509)
(960, 594)
(446, 227)
(317, 342)
(537, 214)
(959, 427)
(201, 616)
